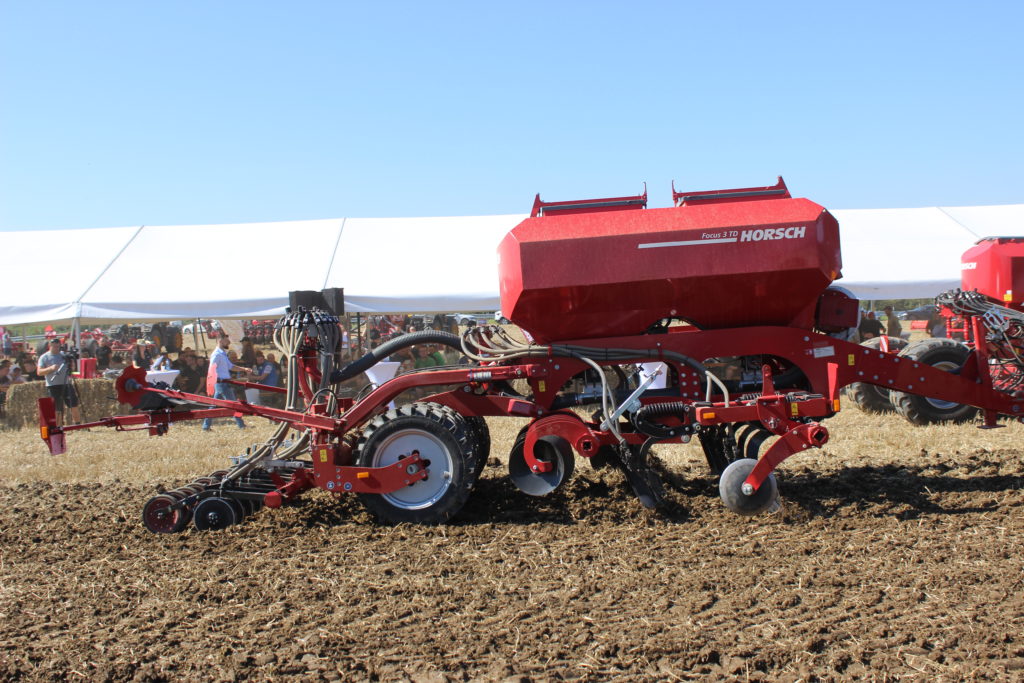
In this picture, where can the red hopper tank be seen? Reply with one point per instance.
(995, 267)
(729, 258)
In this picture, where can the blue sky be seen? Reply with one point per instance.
(128, 113)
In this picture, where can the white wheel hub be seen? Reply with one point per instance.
(425, 492)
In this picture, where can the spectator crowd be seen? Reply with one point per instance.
(55, 362)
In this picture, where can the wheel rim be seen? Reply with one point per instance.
(425, 492)
(947, 366)
(159, 516)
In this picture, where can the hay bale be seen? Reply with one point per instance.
(21, 404)
(95, 395)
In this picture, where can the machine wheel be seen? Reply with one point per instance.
(944, 354)
(249, 506)
(214, 514)
(443, 441)
(553, 449)
(868, 397)
(750, 438)
(172, 339)
(159, 517)
(730, 487)
(482, 436)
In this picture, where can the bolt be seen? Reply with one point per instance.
(910, 386)
(806, 339)
(922, 379)
(748, 489)
(535, 468)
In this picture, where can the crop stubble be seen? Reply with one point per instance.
(896, 554)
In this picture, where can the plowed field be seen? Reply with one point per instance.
(885, 562)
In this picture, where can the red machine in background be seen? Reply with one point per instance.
(729, 290)
(994, 267)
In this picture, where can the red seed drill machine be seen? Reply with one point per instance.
(730, 291)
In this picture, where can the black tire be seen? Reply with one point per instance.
(482, 436)
(868, 397)
(442, 437)
(942, 353)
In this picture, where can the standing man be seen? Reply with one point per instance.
(56, 370)
(892, 323)
(870, 327)
(218, 375)
(104, 353)
(264, 373)
(5, 383)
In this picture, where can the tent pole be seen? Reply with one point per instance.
(359, 334)
(76, 330)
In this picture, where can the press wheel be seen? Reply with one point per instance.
(214, 514)
(730, 487)
(160, 517)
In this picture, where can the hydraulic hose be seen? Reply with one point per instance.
(387, 348)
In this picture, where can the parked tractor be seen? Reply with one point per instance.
(730, 291)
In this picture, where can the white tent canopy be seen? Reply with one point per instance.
(211, 271)
(388, 265)
(52, 269)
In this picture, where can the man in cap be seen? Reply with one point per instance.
(892, 323)
(219, 374)
(56, 370)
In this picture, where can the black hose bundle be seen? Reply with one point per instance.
(387, 348)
